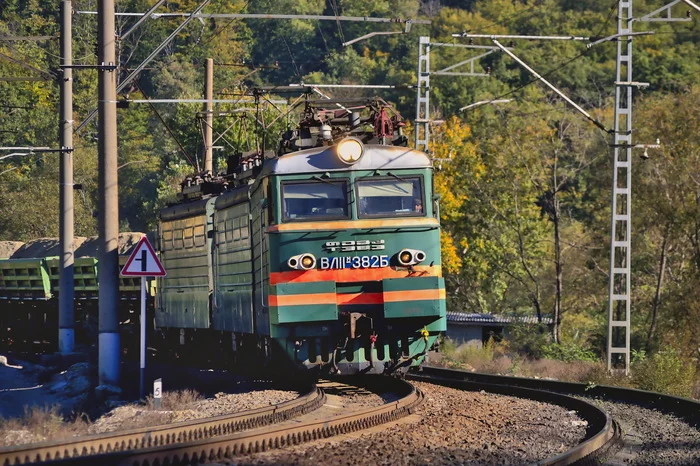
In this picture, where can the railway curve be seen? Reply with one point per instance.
(685, 408)
(602, 435)
(216, 438)
(616, 401)
(75, 449)
(202, 444)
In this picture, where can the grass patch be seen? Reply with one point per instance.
(45, 423)
(175, 406)
(492, 357)
(664, 372)
(572, 371)
(41, 423)
(176, 401)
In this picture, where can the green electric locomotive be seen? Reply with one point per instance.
(326, 253)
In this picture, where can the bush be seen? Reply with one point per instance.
(529, 340)
(491, 357)
(665, 372)
(448, 347)
(38, 424)
(567, 352)
(176, 400)
(575, 371)
(599, 375)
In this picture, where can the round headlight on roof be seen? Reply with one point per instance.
(349, 150)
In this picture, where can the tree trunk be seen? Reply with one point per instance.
(659, 284)
(556, 219)
(695, 236)
(535, 299)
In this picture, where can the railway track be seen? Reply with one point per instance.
(603, 434)
(265, 429)
(684, 408)
(133, 440)
(221, 437)
(676, 407)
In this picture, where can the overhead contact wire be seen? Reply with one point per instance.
(559, 65)
(182, 149)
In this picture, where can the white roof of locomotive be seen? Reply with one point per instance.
(321, 159)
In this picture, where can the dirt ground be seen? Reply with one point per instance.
(20, 389)
(83, 247)
(56, 401)
(7, 248)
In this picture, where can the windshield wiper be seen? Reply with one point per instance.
(316, 177)
(397, 177)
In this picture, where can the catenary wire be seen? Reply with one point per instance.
(182, 149)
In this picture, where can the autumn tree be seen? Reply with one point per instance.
(668, 227)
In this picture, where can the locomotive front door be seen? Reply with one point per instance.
(261, 257)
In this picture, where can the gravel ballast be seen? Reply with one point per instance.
(451, 427)
(134, 415)
(652, 437)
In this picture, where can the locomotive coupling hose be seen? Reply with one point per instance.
(372, 341)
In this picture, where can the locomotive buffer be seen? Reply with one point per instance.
(143, 263)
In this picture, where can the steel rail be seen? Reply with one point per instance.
(85, 448)
(265, 439)
(684, 408)
(603, 434)
(212, 448)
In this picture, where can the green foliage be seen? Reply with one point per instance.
(568, 352)
(638, 356)
(470, 357)
(665, 372)
(533, 341)
(514, 170)
(529, 340)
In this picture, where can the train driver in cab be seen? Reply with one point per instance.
(418, 205)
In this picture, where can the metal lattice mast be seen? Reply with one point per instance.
(423, 95)
(621, 215)
(619, 304)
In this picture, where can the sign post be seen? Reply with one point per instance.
(143, 263)
(157, 392)
(142, 356)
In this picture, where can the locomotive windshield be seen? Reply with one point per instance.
(390, 197)
(315, 200)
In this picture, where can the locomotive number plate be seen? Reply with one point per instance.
(354, 262)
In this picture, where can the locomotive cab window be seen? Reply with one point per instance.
(391, 197)
(315, 200)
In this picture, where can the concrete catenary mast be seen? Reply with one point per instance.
(66, 313)
(108, 210)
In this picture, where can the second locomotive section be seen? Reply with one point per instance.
(331, 257)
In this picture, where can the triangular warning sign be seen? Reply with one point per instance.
(143, 262)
